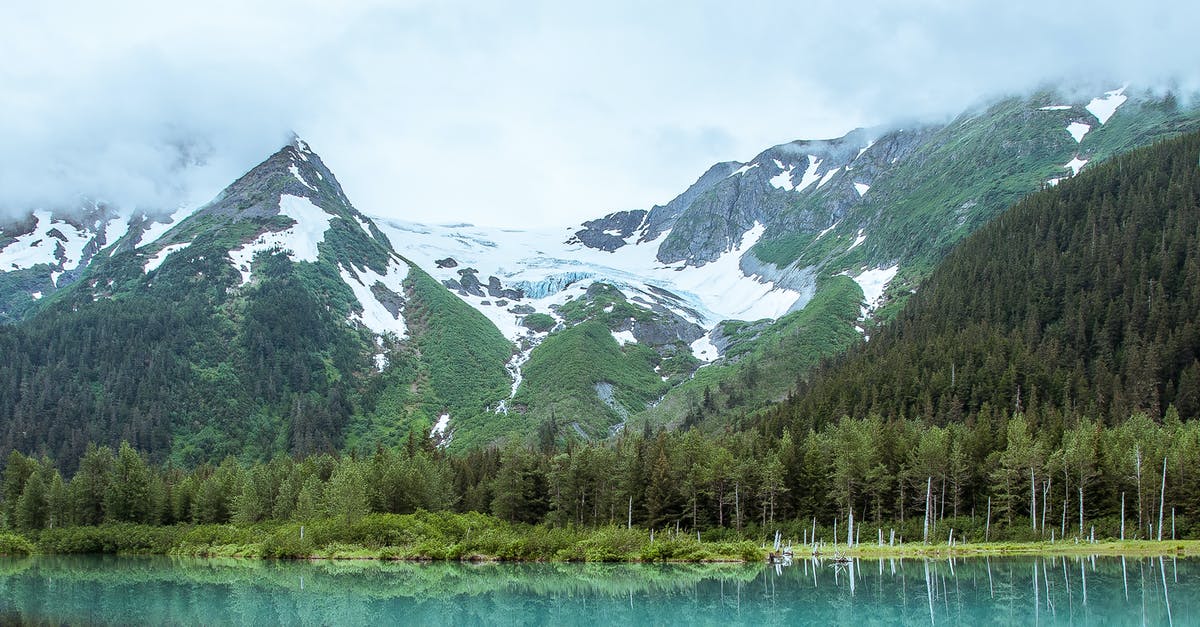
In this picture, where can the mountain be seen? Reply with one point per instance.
(279, 317)
(274, 318)
(1080, 303)
(46, 250)
(728, 269)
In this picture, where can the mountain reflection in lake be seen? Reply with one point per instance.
(158, 590)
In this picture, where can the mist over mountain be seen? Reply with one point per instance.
(345, 331)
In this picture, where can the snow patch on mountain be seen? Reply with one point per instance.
(863, 150)
(375, 315)
(115, 229)
(296, 173)
(549, 270)
(52, 242)
(155, 261)
(828, 175)
(1075, 165)
(858, 240)
(861, 188)
(1078, 130)
(826, 230)
(32, 248)
(873, 283)
(704, 350)
(742, 170)
(299, 241)
(624, 337)
(1056, 108)
(159, 228)
(1104, 108)
(810, 174)
(366, 227)
(783, 180)
(440, 432)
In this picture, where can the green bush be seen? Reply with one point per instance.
(122, 538)
(13, 544)
(538, 322)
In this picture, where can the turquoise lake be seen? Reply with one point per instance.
(1019, 591)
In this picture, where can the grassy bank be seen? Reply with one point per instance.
(419, 536)
(445, 536)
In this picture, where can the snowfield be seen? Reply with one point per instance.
(551, 271)
(51, 242)
(1104, 108)
(299, 241)
(873, 283)
(1078, 130)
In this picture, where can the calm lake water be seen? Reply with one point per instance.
(1025, 591)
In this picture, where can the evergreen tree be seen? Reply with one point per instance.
(33, 506)
(128, 497)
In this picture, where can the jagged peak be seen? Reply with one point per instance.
(299, 144)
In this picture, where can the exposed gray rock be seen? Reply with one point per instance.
(793, 277)
(607, 394)
(610, 232)
(469, 283)
(391, 301)
(666, 330)
(448, 262)
(497, 290)
(663, 217)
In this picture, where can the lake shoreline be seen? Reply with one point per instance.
(697, 552)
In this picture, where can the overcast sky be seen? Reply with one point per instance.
(514, 113)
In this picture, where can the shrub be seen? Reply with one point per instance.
(13, 544)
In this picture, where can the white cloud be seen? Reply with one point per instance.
(512, 113)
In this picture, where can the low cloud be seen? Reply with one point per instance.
(516, 114)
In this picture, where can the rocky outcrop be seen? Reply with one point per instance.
(610, 232)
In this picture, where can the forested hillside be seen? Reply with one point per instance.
(274, 319)
(1080, 302)
(1030, 390)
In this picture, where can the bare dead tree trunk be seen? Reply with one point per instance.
(1137, 462)
(928, 490)
(1032, 499)
(987, 527)
(1161, 499)
(1081, 510)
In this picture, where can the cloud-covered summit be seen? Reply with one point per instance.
(515, 113)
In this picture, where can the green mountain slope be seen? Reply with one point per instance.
(926, 189)
(1081, 301)
(275, 318)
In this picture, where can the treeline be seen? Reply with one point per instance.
(1080, 302)
(1014, 478)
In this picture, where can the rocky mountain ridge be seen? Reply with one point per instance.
(475, 334)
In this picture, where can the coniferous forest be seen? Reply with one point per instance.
(1044, 380)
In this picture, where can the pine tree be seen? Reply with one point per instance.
(128, 497)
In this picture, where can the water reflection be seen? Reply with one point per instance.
(1043, 590)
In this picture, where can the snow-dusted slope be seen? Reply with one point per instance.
(546, 269)
(64, 242)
